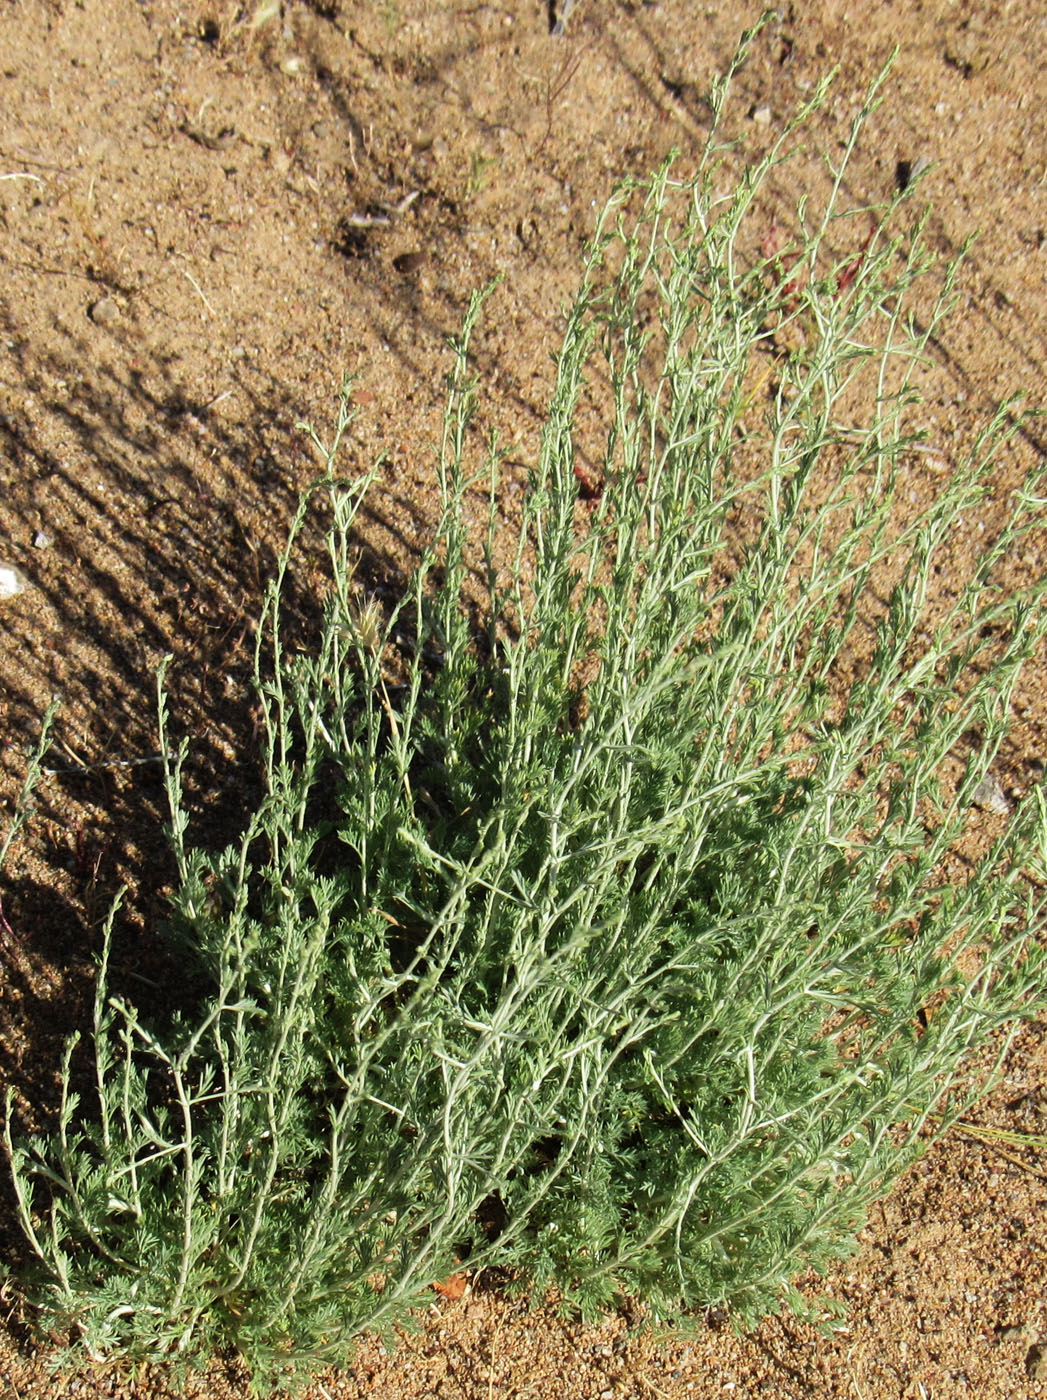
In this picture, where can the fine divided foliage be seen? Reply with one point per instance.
(600, 920)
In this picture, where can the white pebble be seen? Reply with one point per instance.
(12, 581)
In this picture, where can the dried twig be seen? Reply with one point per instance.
(385, 219)
(561, 19)
(657, 1390)
(198, 289)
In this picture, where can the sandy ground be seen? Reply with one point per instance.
(204, 222)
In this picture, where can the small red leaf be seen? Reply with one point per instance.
(452, 1287)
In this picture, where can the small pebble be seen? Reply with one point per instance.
(1013, 1334)
(1036, 1362)
(104, 312)
(42, 540)
(12, 581)
(406, 263)
(527, 231)
(907, 171)
(990, 797)
(761, 115)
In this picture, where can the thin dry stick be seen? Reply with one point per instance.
(198, 289)
(561, 19)
(655, 1388)
(993, 1137)
(490, 1367)
(988, 1140)
(109, 763)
